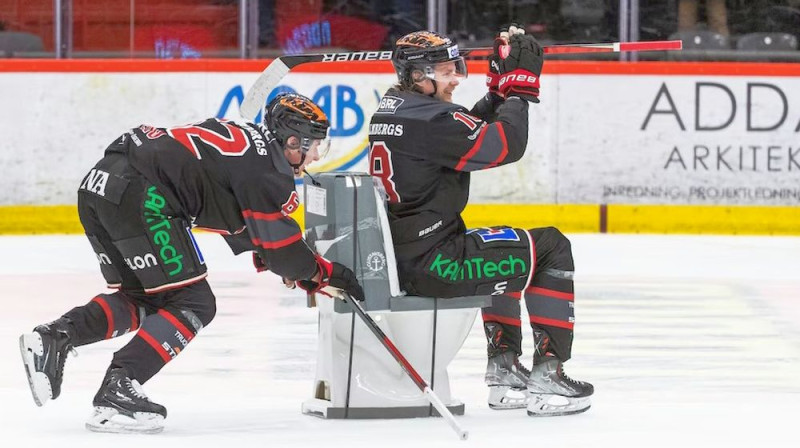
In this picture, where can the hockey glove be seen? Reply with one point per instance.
(332, 276)
(519, 72)
(501, 50)
(259, 263)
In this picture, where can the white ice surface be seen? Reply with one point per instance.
(689, 341)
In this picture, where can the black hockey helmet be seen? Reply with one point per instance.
(292, 114)
(423, 50)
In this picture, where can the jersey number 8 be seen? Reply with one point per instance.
(380, 165)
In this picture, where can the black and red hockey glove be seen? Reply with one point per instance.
(333, 275)
(520, 70)
(493, 75)
(501, 49)
(259, 263)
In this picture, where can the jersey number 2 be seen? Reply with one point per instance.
(233, 144)
(380, 165)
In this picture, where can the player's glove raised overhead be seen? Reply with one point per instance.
(333, 274)
(520, 70)
(501, 50)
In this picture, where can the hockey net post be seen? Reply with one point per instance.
(272, 75)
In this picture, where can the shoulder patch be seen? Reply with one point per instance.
(389, 104)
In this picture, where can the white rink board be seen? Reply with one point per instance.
(662, 142)
(586, 142)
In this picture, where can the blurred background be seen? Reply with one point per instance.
(764, 30)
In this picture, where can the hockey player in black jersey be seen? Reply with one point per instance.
(137, 206)
(422, 149)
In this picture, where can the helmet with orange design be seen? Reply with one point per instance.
(294, 115)
(426, 54)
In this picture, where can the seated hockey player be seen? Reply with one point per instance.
(137, 206)
(422, 149)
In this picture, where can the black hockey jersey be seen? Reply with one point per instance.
(423, 149)
(230, 178)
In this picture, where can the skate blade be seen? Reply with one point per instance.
(109, 420)
(505, 397)
(547, 405)
(30, 345)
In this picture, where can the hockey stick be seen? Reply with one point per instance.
(407, 367)
(610, 47)
(271, 76)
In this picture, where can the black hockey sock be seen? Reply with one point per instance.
(550, 302)
(161, 338)
(106, 316)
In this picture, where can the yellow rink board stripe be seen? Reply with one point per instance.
(702, 219)
(569, 218)
(39, 219)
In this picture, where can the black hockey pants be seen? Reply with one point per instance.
(509, 264)
(145, 250)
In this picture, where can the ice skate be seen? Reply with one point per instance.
(121, 406)
(44, 352)
(550, 390)
(507, 380)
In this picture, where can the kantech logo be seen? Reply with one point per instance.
(477, 268)
(159, 231)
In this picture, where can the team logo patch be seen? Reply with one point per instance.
(453, 51)
(488, 235)
(389, 105)
(376, 261)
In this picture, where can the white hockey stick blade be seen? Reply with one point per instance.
(258, 93)
(445, 413)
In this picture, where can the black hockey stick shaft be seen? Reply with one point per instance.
(271, 76)
(405, 365)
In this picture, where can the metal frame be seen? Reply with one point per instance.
(437, 15)
(628, 26)
(248, 29)
(629, 22)
(62, 24)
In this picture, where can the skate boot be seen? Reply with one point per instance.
(44, 352)
(550, 391)
(507, 380)
(121, 406)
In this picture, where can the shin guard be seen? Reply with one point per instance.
(161, 338)
(502, 325)
(106, 316)
(122, 316)
(550, 303)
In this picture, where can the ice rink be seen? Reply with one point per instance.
(690, 342)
